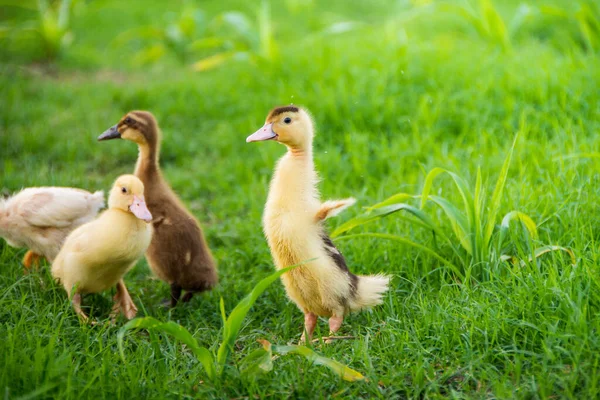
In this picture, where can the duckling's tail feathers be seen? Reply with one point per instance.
(369, 291)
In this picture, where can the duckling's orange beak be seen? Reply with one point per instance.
(264, 133)
(140, 209)
(110, 133)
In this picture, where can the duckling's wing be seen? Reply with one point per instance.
(331, 208)
(60, 207)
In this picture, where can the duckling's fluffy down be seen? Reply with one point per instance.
(41, 218)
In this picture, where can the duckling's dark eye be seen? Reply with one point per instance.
(287, 120)
(128, 121)
(124, 190)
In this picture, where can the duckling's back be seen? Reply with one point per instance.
(178, 252)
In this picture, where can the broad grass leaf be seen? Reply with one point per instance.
(527, 222)
(207, 43)
(259, 361)
(402, 240)
(397, 198)
(214, 61)
(149, 55)
(343, 371)
(494, 23)
(384, 211)
(497, 196)
(458, 221)
(175, 330)
(265, 28)
(547, 249)
(64, 12)
(468, 204)
(233, 323)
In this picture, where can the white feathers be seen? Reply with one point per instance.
(370, 291)
(41, 218)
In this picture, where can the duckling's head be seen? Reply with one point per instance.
(137, 126)
(289, 125)
(127, 194)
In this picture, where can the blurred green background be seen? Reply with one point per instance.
(396, 88)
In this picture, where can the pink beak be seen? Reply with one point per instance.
(264, 133)
(140, 209)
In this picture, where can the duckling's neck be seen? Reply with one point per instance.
(147, 164)
(294, 182)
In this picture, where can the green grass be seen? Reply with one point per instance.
(408, 91)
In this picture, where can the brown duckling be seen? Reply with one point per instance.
(178, 253)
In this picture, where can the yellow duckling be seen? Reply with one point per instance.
(97, 255)
(293, 226)
(40, 218)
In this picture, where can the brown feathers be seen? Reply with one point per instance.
(280, 110)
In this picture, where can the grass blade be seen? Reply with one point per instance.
(260, 360)
(527, 222)
(233, 324)
(382, 212)
(400, 239)
(497, 196)
(547, 249)
(458, 221)
(343, 371)
(397, 198)
(175, 330)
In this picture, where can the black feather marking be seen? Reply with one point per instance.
(339, 260)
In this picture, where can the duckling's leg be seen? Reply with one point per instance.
(123, 303)
(187, 296)
(76, 301)
(310, 322)
(335, 323)
(31, 259)
(175, 294)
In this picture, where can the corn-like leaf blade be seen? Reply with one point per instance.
(178, 332)
(343, 371)
(384, 211)
(233, 324)
(458, 221)
(497, 196)
(400, 239)
(397, 198)
(527, 222)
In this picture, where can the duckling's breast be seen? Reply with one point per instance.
(317, 285)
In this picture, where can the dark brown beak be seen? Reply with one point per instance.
(110, 133)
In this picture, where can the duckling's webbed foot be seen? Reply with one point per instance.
(175, 294)
(76, 301)
(123, 303)
(310, 322)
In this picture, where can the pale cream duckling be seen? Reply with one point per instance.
(97, 255)
(40, 218)
(293, 226)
